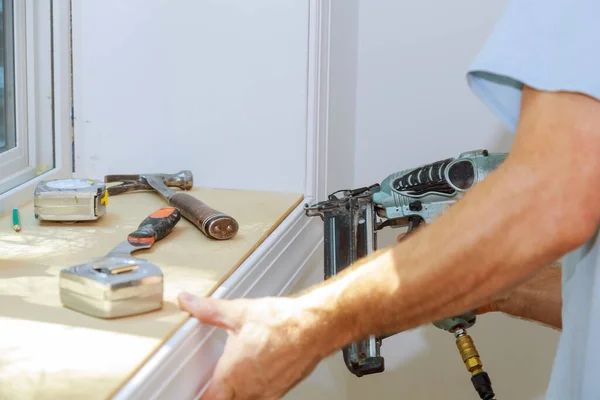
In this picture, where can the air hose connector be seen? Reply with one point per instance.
(468, 352)
(470, 356)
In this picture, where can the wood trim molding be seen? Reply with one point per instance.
(317, 119)
(182, 367)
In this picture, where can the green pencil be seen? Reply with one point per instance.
(16, 222)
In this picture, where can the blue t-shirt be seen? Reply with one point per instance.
(553, 45)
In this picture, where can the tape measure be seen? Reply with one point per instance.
(70, 200)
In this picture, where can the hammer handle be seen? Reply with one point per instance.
(156, 226)
(214, 224)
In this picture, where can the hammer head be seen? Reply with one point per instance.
(183, 180)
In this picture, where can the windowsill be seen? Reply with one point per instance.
(48, 348)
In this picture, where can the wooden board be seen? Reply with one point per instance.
(50, 352)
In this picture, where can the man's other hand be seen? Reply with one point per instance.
(268, 350)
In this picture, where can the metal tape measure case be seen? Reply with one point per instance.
(70, 200)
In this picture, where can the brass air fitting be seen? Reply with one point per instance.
(468, 352)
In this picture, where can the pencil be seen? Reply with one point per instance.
(16, 222)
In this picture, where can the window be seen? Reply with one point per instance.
(34, 95)
(8, 136)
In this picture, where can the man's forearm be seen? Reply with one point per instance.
(505, 229)
(458, 263)
(538, 299)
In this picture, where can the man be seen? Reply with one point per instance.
(540, 74)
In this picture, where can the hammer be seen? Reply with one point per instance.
(214, 224)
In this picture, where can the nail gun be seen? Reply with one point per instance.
(409, 199)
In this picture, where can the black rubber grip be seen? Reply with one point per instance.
(483, 386)
(156, 226)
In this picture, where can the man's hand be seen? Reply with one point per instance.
(538, 299)
(268, 350)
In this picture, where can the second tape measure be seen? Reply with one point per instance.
(70, 200)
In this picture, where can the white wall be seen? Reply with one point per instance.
(411, 90)
(217, 87)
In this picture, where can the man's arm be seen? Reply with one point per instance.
(539, 204)
(538, 299)
(507, 227)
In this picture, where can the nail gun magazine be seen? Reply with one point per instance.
(404, 199)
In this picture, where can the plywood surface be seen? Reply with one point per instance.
(50, 352)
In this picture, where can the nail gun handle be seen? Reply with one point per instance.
(156, 226)
(214, 224)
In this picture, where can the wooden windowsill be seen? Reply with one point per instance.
(50, 352)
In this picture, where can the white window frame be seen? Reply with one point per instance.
(43, 101)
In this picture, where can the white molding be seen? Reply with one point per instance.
(61, 73)
(318, 99)
(63, 99)
(181, 368)
(40, 60)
